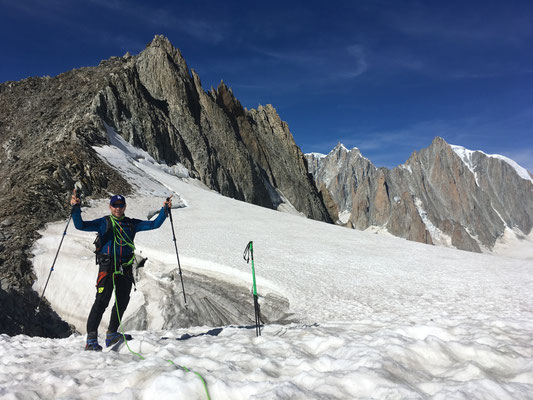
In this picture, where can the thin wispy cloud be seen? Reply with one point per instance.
(203, 30)
(360, 65)
(284, 73)
(492, 24)
(319, 65)
(165, 18)
(446, 41)
(51, 11)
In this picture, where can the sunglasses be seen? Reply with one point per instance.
(118, 205)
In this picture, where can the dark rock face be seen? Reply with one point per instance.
(48, 125)
(440, 195)
(158, 106)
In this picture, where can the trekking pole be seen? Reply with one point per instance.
(177, 255)
(57, 253)
(249, 251)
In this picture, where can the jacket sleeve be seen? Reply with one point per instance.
(95, 225)
(149, 225)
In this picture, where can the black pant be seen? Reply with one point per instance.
(104, 291)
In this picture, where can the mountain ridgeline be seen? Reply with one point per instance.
(49, 125)
(443, 195)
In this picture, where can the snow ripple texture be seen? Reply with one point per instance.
(442, 360)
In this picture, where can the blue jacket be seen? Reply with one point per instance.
(130, 227)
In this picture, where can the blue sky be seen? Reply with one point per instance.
(383, 76)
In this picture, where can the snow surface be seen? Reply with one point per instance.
(466, 156)
(378, 317)
(344, 216)
(514, 244)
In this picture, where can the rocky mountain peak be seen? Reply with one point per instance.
(162, 60)
(342, 151)
(162, 46)
(339, 149)
(337, 176)
(48, 127)
(439, 141)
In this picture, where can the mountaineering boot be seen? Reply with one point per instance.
(92, 344)
(113, 337)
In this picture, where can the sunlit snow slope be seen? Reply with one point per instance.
(373, 316)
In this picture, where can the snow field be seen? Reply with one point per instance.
(331, 360)
(378, 317)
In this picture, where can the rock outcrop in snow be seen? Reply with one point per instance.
(442, 195)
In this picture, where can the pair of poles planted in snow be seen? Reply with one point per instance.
(249, 253)
(77, 194)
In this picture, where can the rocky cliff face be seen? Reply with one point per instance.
(45, 135)
(156, 104)
(442, 195)
(49, 125)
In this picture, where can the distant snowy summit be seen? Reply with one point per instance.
(339, 149)
(470, 158)
(444, 194)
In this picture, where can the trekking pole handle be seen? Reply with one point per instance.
(76, 195)
(246, 254)
(168, 206)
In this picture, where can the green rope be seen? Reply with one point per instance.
(120, 324)
(196, 373)
(126, 241)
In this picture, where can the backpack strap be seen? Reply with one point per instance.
(108, 226)
(100, 240)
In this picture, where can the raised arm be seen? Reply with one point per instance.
(96, 225)
(156, 223)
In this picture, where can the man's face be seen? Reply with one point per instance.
(117, 209)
